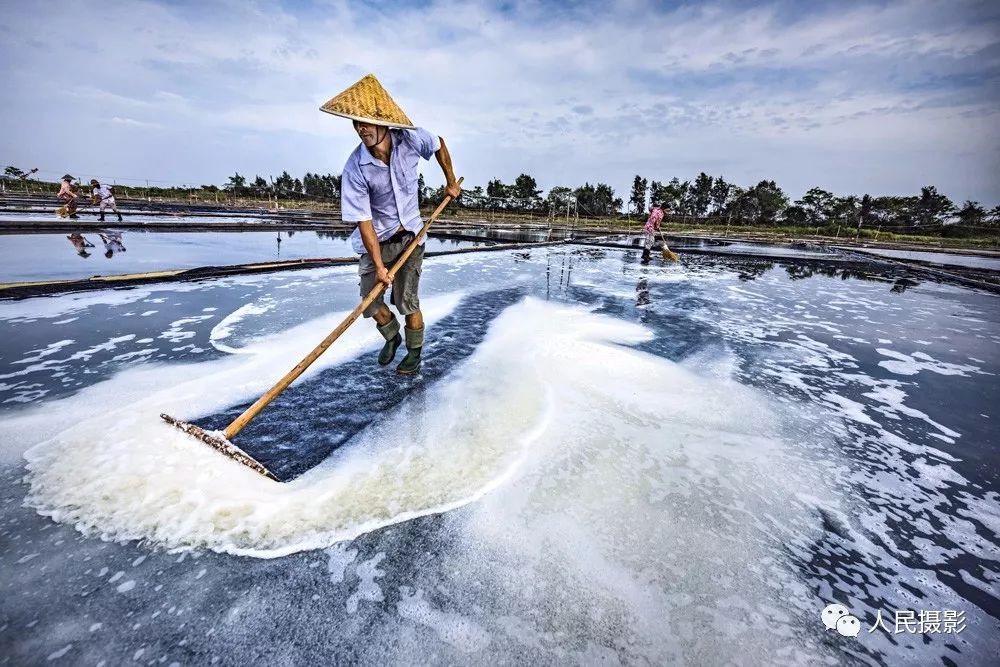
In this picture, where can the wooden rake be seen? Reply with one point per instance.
(223, 441)
(668, 254)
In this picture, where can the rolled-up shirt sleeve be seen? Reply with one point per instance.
(355, 206)
(425, 143)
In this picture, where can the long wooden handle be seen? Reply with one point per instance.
(301, 367)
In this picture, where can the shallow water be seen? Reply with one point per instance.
(89, 216)
(601, 461)
(940, 258)
(29, 257)
(761, 249)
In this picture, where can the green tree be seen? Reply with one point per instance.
(260, 186)
(526, 190)
(471, 197)
(14, 172)
(845, 210)
(818, 205)
(557, 198)
(284, 183)
(597, 199)
(672, 194)
(771, 201)
(686, 198)
(586, 199)
(894, 211)
(605, 200)
(720, 194)
(332, 185)
(236, 183)
(744, 208)
(312, 185)
(701, 194)
(496, 189)
(796, 215)
(992, 218)
(637, 198)
(323, 187)
(865, 211)
(525, 187)
(933, 207)
(657, 192)
(972, 214)
(421, 187)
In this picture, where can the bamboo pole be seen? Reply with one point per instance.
(240, 422)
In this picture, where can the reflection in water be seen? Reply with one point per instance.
(80, 244)
(26, 257)
(566, 270)
(800, 271)
(112, 243)
(327, 235)
(902, 285)
(642, 292)
(749, 269)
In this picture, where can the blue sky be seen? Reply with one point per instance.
(853, 97)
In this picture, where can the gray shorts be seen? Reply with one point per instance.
(405, 283)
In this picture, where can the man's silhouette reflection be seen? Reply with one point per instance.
(642, 293)
(80, 244)
(112, 243)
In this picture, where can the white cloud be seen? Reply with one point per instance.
(132, 122)
(566, 95)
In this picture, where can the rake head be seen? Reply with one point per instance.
(222, 444)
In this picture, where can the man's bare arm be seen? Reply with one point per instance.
(370, 240)
(444, 159)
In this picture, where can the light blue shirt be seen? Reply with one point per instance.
(385, 194)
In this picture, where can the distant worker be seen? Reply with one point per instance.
(379, 193)
(104, 196)
(112, 243)
(68, 195)
(652, 226)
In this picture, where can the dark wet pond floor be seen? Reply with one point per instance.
(602, 461)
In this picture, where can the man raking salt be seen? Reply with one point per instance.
(379, 193)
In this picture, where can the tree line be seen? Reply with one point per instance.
(704, 198)
(522, 196)
(766, 204)
(322, 186)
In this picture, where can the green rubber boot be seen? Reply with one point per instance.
(389, 331)
(414, 343)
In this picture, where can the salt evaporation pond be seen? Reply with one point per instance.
(31, 257)
(88, 216)
(601, 462)
(990, 262)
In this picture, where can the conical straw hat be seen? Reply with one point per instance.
(368, 101)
